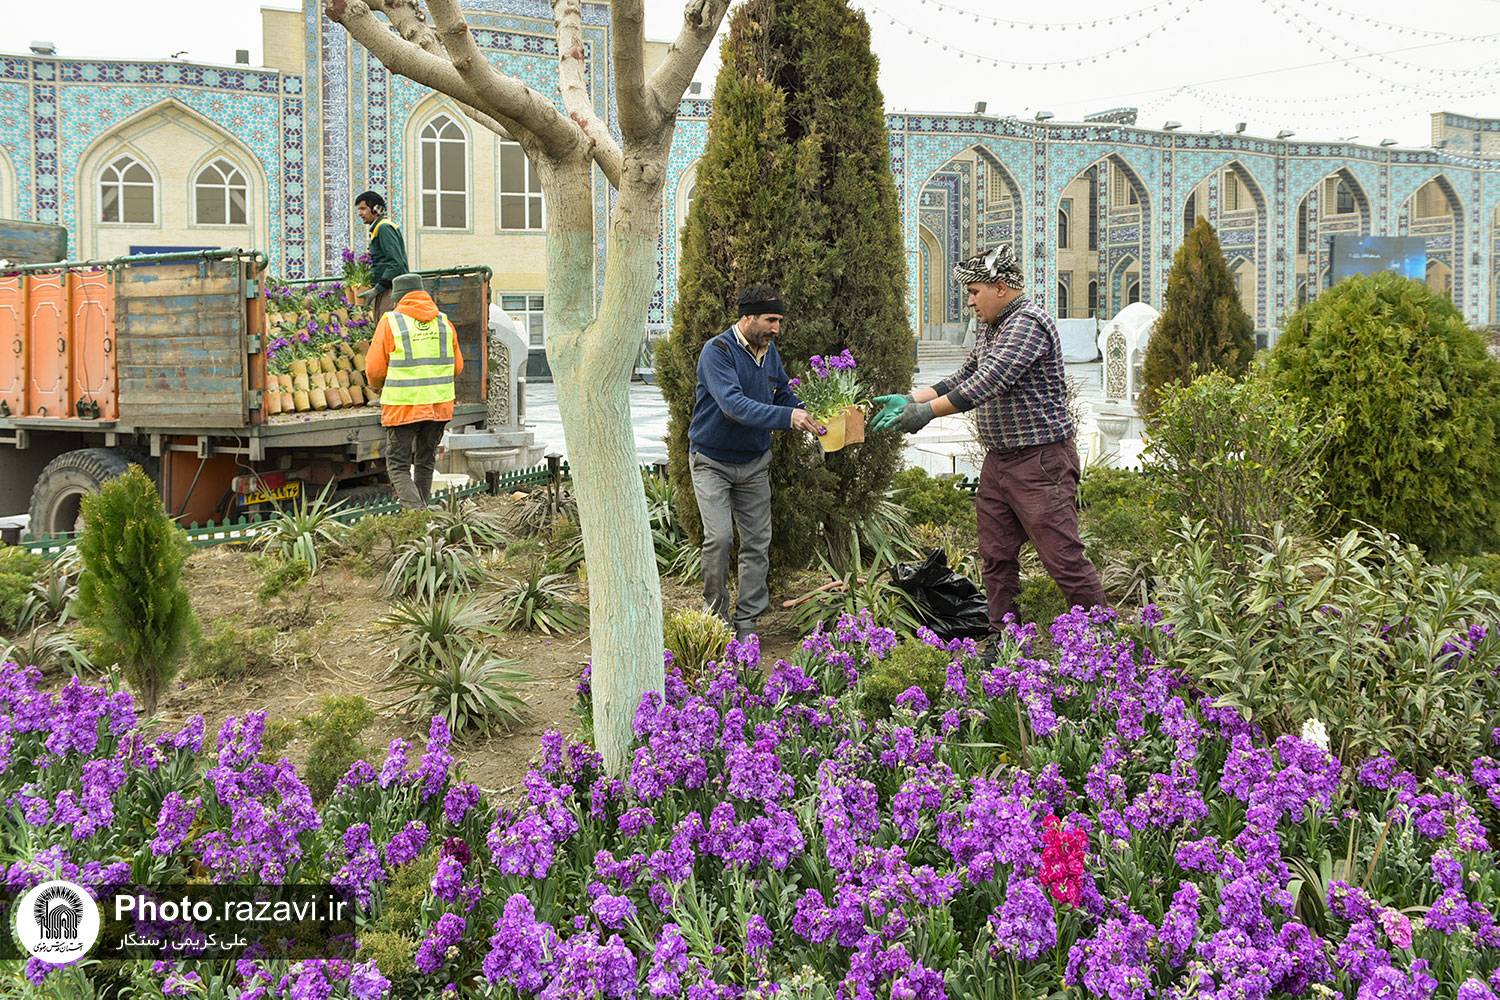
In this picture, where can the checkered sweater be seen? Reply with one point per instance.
(1014, 378)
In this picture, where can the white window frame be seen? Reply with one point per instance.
(535, 304)
(119, 182)
(225, 186)
(529, 177)
(437, 187)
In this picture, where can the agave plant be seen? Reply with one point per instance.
(473, 690)
(541, 602)
(450, 625)
(429, 566)
(51, 598)
(565, 554)
(534, 515)
(677, 554)
(301, 533)
(862, 583)
(48, 649)
(462, 523)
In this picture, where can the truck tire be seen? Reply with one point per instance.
(356, 495)
(57, 498)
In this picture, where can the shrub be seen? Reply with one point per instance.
(227, 652)
(462, 523)
(1124, 528)
(55, 650)
(1202, 328)
(1040, 600)
(1360, 633)
(541, 602)
(935, 500)
(1415, 402)
(131, 591)
(565, 553)
(1237, 456)
(533, 514)
(913, 663)
(373, 540)
(696, 638)
(335, 734)
(19, 569)
(473, 691)
(1486, 567)
(863, 583)
(279, 577)
(395, 956)
(53, 594)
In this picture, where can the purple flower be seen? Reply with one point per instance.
(459, 800)
(757, 935)
(173, 822)
(444, 935)
(1025, 925)
(406, 845)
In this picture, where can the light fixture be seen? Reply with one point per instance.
(1042, 116)
(980, 106)
(1387, 142)
(1239, 128)
(1172, 126)
(1285, 133)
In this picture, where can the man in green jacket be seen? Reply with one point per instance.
(387, 250)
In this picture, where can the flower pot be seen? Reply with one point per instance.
(284, 382)
(832, 438)
(288, 401)
(352, 293)
(341, 314)
(362, 346)
(372, 396)
(318, 398)
(341, 377)
(272, 402)
(331, 394)
(326, 363)
(359, 362)
(346, 396)
(299, 367)
(343, 365)
(300, 383)
(854, 425)
(302, 400)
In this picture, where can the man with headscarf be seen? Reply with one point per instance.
(1028, 486)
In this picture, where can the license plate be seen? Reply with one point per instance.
(290, 491)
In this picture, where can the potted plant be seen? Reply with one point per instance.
(831, 393)
(358, 275)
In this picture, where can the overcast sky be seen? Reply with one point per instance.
(1313, 67)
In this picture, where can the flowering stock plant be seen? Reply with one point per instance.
(357, 269)
(831, 385)
(1083, 824)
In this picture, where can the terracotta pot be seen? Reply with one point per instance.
(288, 401)
(372, 397)
(346, 397)
(272, 403)
(284, 382)
(326, 363)
(360, 362)
(342, 378)
(300, 383)
(302, 400)
(343, 365)
(299, 367)
(335, 402)
(362, 346)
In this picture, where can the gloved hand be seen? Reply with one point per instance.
(890, 411)
(914, 417)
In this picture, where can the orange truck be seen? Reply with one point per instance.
(159, 360)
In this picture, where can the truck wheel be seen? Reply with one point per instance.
(57, 498)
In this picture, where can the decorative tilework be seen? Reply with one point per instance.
(15, 140)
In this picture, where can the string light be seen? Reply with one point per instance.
(1404, 29)
(1095, 57)
(1313, 32)
(1098, 22)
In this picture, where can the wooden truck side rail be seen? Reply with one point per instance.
(160, 359)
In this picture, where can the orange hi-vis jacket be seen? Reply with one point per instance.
(420, 307)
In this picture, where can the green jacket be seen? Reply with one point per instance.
(387, 253)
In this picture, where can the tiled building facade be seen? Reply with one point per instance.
(145, 155)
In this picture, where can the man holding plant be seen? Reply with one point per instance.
(387, 250)
(1028, 486)
(743, 395)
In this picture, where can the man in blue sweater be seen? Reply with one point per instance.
(743, 395)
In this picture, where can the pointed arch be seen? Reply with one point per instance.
(1110, 224)
(1321, 215)
(1435, 212)
(10, 192)
(1235, 204)
(444, 170)
(173, 142)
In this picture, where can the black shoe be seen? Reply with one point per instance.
(989, 653)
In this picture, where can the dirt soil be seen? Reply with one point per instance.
(327, 645)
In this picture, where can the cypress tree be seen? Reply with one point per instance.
(130, 592)
(1203, 327)
(795, 189)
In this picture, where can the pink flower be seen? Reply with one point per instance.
(1062, 861)
(1397, 927)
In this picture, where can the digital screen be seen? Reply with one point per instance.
(1406, 255)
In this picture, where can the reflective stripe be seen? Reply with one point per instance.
(375, 229)
(433, 380)
(403, 327)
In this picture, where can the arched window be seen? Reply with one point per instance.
(1231, 197)
(1343, 201)
(1302, 228)
(520, 190)
(127, 192)
(1190, 213)
(445, 174)
(1062, 229)
(1093, 299)
(219, 195)
(1062, 300)
(1133, 292)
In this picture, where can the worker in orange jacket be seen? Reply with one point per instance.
(414, 363)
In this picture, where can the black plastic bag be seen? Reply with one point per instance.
(947, 602)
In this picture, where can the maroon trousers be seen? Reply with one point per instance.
(1032, 494)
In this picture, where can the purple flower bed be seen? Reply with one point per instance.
(1088, 824)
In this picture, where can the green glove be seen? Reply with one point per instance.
(890, 411)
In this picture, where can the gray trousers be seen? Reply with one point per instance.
(410, 458)
(734, 496)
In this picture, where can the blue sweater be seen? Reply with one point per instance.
(739, 403)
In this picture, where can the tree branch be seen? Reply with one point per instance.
(572, 81)
(629, 23)
(700, 23)
(504, 95)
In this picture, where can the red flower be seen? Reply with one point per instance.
(1062, 861)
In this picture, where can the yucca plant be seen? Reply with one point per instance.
(51, 597)
(429, 566)
(472, 690)
(677, 554)
(565, 554)
(863, 583)
(534, 515)
(463, 523)
(696, 637)
(48, 649)
(304, 531)
(541, 602)
(452, 624)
